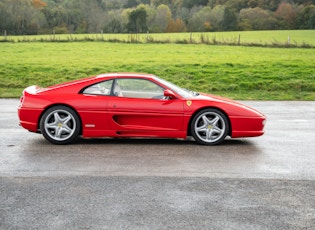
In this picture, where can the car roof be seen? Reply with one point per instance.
(127, 74)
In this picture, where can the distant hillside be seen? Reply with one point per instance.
(24, 17)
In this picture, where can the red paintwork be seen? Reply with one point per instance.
(114, 116)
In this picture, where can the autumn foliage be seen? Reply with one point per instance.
(154, 16)
(177, 25)
(39, 4)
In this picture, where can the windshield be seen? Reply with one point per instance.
(182, 92)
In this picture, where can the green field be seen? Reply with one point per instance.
(282, 38)
(239, 72)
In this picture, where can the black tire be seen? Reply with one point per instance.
(209, 127)
(60, 125)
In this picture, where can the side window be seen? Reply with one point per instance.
(102, 88)
(138, 88)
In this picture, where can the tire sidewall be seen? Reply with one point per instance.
(76, 132)
(211, 110)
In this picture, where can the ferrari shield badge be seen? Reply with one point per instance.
(189, 103)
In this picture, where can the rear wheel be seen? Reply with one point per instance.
(60, 125)
(209, 127)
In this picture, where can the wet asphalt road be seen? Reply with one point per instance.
(259, 183)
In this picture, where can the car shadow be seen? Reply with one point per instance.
(152, 146)
(156, 141)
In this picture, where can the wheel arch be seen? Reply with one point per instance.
(209, 107)
(60, 104)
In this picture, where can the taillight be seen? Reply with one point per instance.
(21, 100)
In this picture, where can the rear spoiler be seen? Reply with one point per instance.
(34, 89)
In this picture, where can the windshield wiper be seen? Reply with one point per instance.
(192, 92)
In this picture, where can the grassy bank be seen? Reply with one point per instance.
(238, 72)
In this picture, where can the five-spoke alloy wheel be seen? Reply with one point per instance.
(60, 125)
(209, 127)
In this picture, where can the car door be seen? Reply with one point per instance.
(140, 109)
(92, 106)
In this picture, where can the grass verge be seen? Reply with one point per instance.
(249, 73)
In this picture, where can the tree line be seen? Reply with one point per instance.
(23, 17)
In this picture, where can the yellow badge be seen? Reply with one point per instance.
(189, 103)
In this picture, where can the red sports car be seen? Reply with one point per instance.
(133, 105)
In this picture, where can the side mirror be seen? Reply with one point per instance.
(170, 94)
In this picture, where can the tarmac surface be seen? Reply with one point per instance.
(256, 183)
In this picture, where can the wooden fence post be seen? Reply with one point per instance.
(289, 39)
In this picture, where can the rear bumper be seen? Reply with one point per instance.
(29, 118)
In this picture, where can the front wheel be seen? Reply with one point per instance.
(60, 125)
(209, 127)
